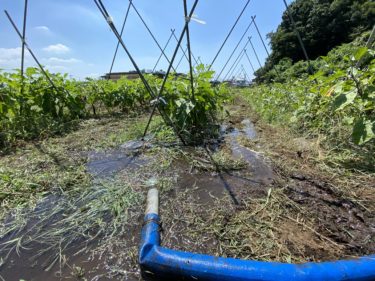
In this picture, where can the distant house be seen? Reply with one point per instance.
(131, 74)
(134, 74)
(238, 83)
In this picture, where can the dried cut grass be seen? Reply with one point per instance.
(274, 228)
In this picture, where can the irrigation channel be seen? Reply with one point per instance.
(234, 197)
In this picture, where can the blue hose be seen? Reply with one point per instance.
(165, 264)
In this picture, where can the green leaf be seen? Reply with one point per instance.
(360, 53)
(343, 100)
(10, 114)
(36, 108)
(363, 131)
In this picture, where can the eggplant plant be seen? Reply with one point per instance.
(42, 110)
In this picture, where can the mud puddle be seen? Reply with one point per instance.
(238, 184)
(261, 171)
(32, 261)
(128, 156)
(204, 188)
(37, 260)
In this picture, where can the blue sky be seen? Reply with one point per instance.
(71, 36)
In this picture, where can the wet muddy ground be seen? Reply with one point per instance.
(235, 200)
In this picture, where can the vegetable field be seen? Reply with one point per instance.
(37, 110)
(275, 166)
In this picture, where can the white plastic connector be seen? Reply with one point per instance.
(109, 19)
(152, 202)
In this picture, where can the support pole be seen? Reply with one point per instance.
(118, 42)
(230, 74)
(189, 50)
(169, 68)
(182, 57)
(260, 36)
(230, 32)
(298, 36)
(247, 56)
(32, 53)
(184, 51)
(165, 47)
(235, 61)
(368, 44)
(235, 76)
(149, 31)
(256, 55)
(23, 49)
(165, 116)
(235, 49)
(247, 77)
(264, 44)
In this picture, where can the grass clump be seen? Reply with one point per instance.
(73, 219)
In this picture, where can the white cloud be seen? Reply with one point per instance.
(42, 28)
(57, 68)
(57, 48)
(93, 75)
(9, 54)
(11, 57)
(65, 61)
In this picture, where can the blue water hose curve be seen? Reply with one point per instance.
(160, 263)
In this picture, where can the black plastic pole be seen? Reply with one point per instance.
(256, 55)
(246, 75)
(235, 67)
(165, 116)
(247, 56)
(237, 74)
(235, 61)
(240, 72)
(30, 51)
(194, 58)
(230, 32)
(118, 43)
(189, 51)
(235, 49)
(264, 44)
(260, 35)
(170, 65)
(182, 57)
(23, 48)
(298, 35)
(165, 47)
(199, 60)
(185, 52)
(149, 31)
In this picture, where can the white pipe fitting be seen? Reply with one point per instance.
(152, 202)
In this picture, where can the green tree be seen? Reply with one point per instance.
(323, 24)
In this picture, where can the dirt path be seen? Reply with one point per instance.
(257, 194)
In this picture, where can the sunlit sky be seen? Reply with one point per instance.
(71, 36)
